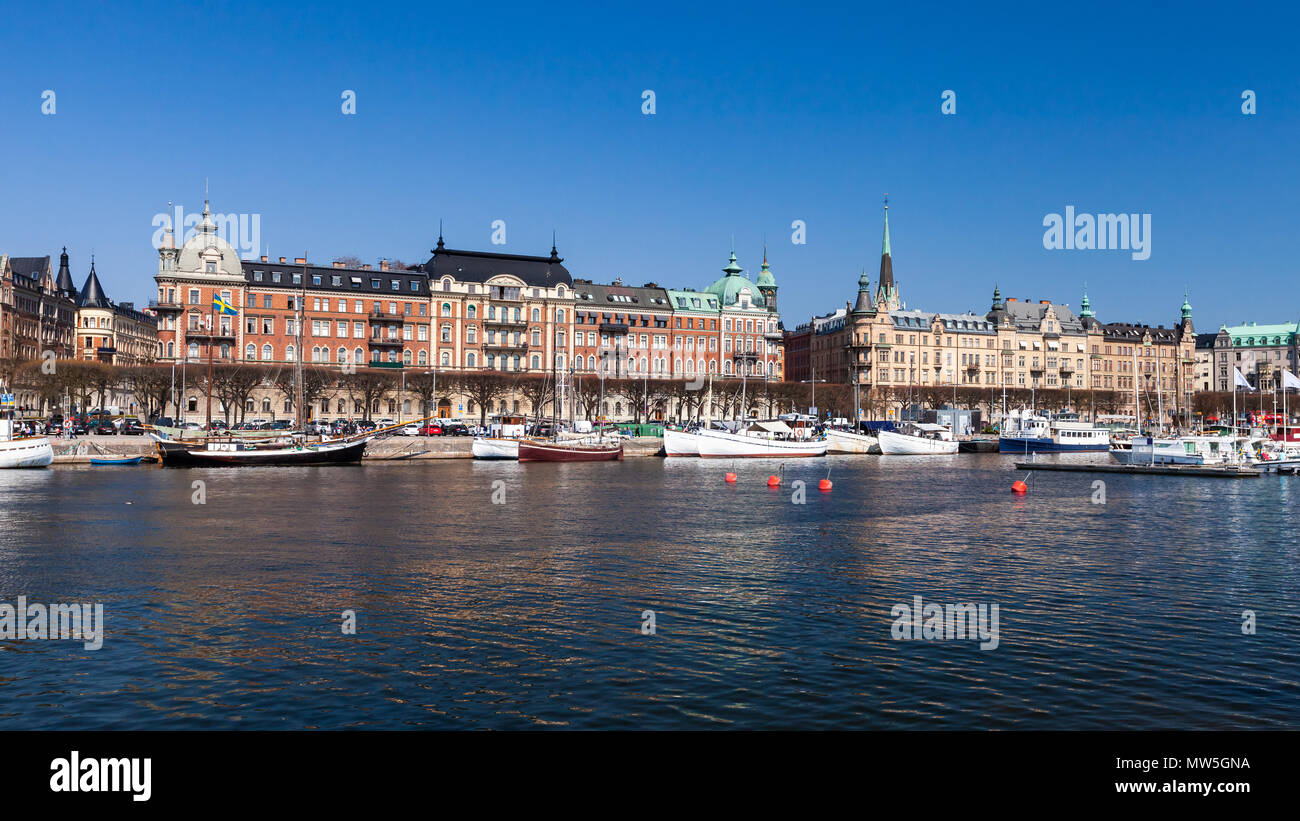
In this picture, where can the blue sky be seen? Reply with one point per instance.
(765, 114)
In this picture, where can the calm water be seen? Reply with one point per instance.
(769, 614)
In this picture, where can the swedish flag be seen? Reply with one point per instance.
(221, 306)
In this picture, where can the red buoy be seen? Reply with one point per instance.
(730, 478)
(1019, 487)
(824, 484)
(773, 481)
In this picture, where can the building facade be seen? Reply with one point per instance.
(459, 312)
(1261, 352)
(1031, 345)
(111, 332)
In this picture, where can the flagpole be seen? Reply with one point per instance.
(212, 330)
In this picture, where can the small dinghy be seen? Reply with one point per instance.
(116, 460)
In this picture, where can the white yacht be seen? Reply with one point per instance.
(1176, 450)
(766, 439)
(917, 439)
(23, 451)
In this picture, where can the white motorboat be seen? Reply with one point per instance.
(1176, 450)
(1028, 432)
(23, 451)
(843, 441)
(918, 439)
(769, 439)
(681, 443)
(487, 447)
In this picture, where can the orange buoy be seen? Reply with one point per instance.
(824, 484)
(1019, 487)
(773, 481)
(730, 477)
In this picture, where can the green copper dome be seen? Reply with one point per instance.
(765, 278)
(729, 287)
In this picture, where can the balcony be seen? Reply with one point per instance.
(504, 345)
(386, 342)
(106, 350)
(500, 295)
(385, 316)
(777, 336)
(613, 328)
(204, 333)
(502, 322)
(165, 305)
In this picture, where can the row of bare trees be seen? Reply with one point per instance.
(84, 384)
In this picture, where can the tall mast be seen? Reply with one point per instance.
(297, 369)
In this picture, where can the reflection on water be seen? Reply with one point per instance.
(769, 614)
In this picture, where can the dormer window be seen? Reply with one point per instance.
(210, 267)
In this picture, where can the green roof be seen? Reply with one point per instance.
(693, 301)
(1277, 334)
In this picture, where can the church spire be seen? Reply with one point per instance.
(886, 290)
(1085, 307)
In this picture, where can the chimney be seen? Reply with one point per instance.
(338, 264)
(299, 260)
(1044, 302)
(282, 259)
(383, 265)
(1011, 299)
(263, 258)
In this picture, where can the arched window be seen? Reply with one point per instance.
(472, 312)
(193, 349)
(445, 358)
(559, 291)
(446, 306)
(341, 355)
(171, 348)
(469, 359)
(342, 406)
(406, 357)
(537, 314)
(535, 362)
(424, 357)
(446, 285)
(559, 314)
(266, 352)
(289, 353)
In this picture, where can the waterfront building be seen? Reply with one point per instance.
(37, 313)
(111, 332)
(1261, 352)
(622, 331)
(37, 308)
(460, 312)
(894, 353)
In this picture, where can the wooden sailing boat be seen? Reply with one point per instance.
(296, 451)
(553, 450)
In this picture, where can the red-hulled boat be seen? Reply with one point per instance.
(531, 450)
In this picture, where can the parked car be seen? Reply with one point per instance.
(103, 428)
(410, 430)
(431, 429)
(455, 429)
(131, 427)
(365, 426)
(281, 424)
